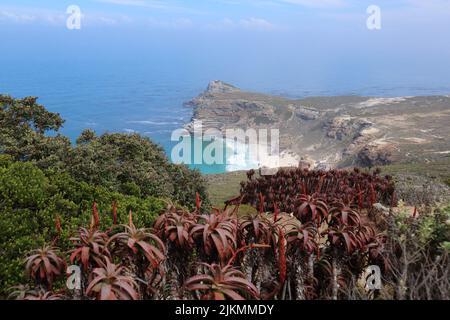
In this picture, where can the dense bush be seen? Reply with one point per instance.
(418, 249)
(133, 165)
(126, 163)
(31, 200)
(44, 178)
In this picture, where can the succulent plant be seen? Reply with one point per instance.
(220, 283)
(44, 265)
(111, 283)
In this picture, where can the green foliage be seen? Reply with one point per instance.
(23, 124)
(43, 177)
(5, 160)
(431, 229)
(30, 201)
(134, 165)
(126, 163)
(23, 185)
(86, 136)
(441, 227)
(130, 188)
(445, 246)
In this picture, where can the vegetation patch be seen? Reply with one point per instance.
(319, 250)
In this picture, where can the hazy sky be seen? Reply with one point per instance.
(262, 15)
(286, 38)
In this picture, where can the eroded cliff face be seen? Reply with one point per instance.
(335, 131)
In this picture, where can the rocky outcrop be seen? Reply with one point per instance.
(218, 86)
(345, 126)
(377, 154)
(307, 114)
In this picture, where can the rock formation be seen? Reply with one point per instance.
(335, 131)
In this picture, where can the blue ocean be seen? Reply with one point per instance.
(141, 87)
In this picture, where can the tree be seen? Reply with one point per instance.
(130, 164)
(134, 165)
(23, 124)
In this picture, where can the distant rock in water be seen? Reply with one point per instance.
(335, 131)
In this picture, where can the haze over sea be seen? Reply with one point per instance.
(127, 76)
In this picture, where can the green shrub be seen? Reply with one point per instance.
(5, 160)
(23, 185)
(133, 165)
(30, 201)
(127, 163)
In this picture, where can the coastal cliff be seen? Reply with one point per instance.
(329, 132)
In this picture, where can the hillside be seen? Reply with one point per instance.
(335, 131)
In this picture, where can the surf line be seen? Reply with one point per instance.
(212, 147)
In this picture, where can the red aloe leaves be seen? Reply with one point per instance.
(198, 201)
(44, 265)
(110, 282)
(58, 225)
(343, 238)
(216, 233)
(282, 257)
(342, 214)
(139, 241)
(95, 217)
(114, 212)
(255, 228)
(357, 188)
(90, 248)
(301, 236)
(220, 283)
(311, 209)
(261, 203)
(174, 225)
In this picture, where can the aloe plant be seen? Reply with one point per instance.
(220, 283)
(216, 234)
(139, 241)
(90, 248)
(255, 227)
(44, 265)
(343, 214)
(311, 208)
(174, 226)
(111, 283)
(302, 237)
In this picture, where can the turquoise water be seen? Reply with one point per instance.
(230, 157)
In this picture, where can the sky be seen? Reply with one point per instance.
(220, 15)
(295, 36)
(336, 21)
(150, 56)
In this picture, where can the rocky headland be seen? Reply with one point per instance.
(329, 132)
